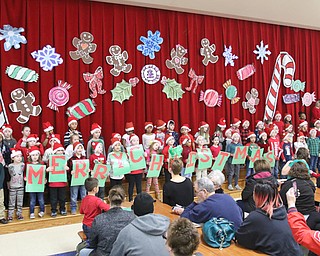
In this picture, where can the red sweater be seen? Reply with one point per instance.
(185, 154)
(97, 159)
(215, 151)
(91, 206)
(25, 151)
(165, 153)
(302, 233)
(274, 144)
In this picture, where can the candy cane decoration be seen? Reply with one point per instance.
(285, 61)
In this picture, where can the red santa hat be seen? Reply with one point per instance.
(236, 121)
(76, 145)
(94, 128)
(114, 142)
(222, 122)
(34, 150)
(47, 127)
(245, 120)
(312, 129)
(251, 134)
(300, 134)
(261, 134)
(32, 137)
(159, 124)
(55, 137)
(94, 144)
(129, 127)
(316, 121)
(259, 122)
(203, 124)
(15, 152)
(57, 147)
(133, 136)
(168, 137)
(287, 126)
(228, 130)
(287, 115)
(170, 122)
(235, 135)
(71, 120)
(7, 127)
(159, 142)
(302, 123)
(184, 139)
(278, 113)
(116, 135)
(148, 124)
(185, 126)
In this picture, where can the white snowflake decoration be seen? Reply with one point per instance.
(12, 37)
(228, 56)
(47, 57)
(262, 52)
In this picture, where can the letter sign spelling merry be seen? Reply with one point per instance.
(58, 164)
(35, 178)
(81, 169)
(101, 171)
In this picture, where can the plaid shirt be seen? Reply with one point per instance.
(314, 146)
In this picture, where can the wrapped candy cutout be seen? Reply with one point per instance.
(59, 95)
(22, 73)
(171, 88)
(151, 44)
(308, 98)
(84, 47)
(245, 72)
(231, 92)
(297, 86)
(47, 57)
(12, 37)
(211, 98)
(95, 83)
(194, 80)
(291, 98)
(81, 109)
(122, 91)
(252, 101)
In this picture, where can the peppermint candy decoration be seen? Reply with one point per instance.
(59, 95)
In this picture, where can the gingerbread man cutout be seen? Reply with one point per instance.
(84, 47)
(24, 105)
(118, 60)
(207, 51)
(177, 59)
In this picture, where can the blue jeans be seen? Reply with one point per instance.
(250, 171)
(275, 169)
(74, 191)
(87, 231)
(189, 175)
(313, 162)
(33, 199)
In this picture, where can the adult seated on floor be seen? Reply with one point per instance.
(144, 236)
(107, 225)
(210, 205)
(183, 238)
(266, 229)
(218, 178)
(178, 190)
(262, 172)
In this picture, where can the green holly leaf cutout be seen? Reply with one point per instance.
(121, 92)
(172, 89)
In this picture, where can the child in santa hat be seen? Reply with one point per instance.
(263, 142)
(278, 122)
(288, 128)
(58, 190)
(98, 158)
(55, 138)
(8, 140)
(215, 148)
(228, 133)
(317, 127)
(80, 189)
(313, 143)
(235, 126)
(169, 140)
(185, 129)
(252, 145)
(303, 127)
(286, 151)
(244, 131)
(135, 176)
(32, 140)
(204, 131)
(96, 137)
(26, 131)
(117, 136)
(301, 142)
(219, 132)
(287, 119)
(48, 131)
(316, 111)
(274, 144)
(73, 125)
(200, 173)
(172, 132)
(69, 150)
(129, 128)
(160, 126)
(259, 128)
(148, 136)
(186, 149)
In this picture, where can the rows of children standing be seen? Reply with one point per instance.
(159, 138)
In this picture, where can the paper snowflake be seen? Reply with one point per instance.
(151, 44)
(262, 52)
(47, 57)
(12, 37)
(228, 56)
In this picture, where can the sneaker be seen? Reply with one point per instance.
(63, 213)
(20, 217)
(238, 187)
(10, 218)
(32, 216)
(3, 221)
(41, 214)
(230, 187)
(53, 214)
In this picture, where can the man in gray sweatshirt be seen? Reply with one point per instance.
(144, 235)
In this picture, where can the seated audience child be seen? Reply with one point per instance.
(217, 178)
(48, 132)
(25, 134)
(266, 229)
(96, 137)
(91, 206)
(183, 238)
(107, 225)
(144, 236)
(178, 190)
(8, 140)
(73, 125)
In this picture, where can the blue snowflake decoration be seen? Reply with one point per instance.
(228, 56)
(47, 57)
(12, 37)
(151, 44)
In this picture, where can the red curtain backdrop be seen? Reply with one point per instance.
(56, 22)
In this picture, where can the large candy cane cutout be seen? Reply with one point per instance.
(285, 61)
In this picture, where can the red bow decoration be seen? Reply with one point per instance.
(164, 80)
(95, 83)
(194, 79)
(133, 81)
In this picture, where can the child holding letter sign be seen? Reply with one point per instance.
(111, 159)
(233, 169)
